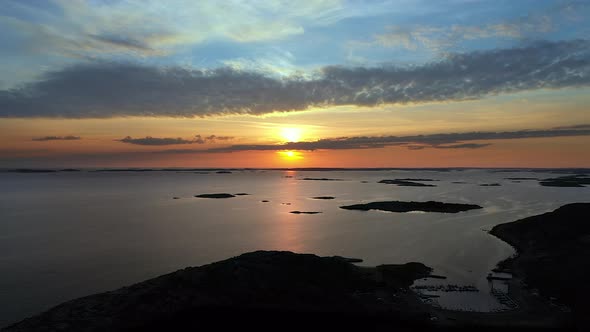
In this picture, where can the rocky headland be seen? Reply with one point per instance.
(264, 290)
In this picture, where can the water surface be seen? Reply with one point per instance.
(66, 235)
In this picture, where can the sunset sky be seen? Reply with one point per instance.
(400, 83)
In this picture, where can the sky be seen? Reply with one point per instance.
(264, 84)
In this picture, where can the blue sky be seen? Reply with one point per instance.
(276, 37)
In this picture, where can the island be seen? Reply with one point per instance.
(320, 179)
(262, 290)
(490, 185)
(406, 183)
(417, 179)
(305, 212)
(553, 251)
(220, 195)
(323, 197)
(400, 206)
(575, 181)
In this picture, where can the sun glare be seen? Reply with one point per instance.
(291, 134)
(290, 155)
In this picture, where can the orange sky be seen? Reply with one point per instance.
(99, 144)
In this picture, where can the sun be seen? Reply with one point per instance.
(291, 134)
(290, 155)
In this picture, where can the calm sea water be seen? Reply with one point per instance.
(66, 235)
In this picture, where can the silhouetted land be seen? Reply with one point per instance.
(305, 212)
(320, 179)
(406, 183)
(399, 206)
(323, 197)
(567, 181)
(32, 170)
(263, 290)
(490, 185)
(221, 195)
(553, 255)
(417, 179)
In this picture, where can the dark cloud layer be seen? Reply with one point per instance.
(581, 126)
(198, 139)
(56, 138)
(107, 90)
(439, 141)
(148, 140)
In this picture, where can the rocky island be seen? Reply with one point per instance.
(220, 195)
(407, 183)
(320, 179)
(263, 290)
(399, 206)
(323, 197)
(575, 181)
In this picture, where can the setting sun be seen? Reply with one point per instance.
(290, 155)
(291, 134)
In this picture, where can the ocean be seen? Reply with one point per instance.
(69, 234)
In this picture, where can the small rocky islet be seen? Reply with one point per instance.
(321, 179)
(572, 181)
(408, 183)
(218, 195)
(400, 206)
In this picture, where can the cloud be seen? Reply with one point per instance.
(214, 138)
(57, 138)
(198, 139)
(462, 146)
(444, 38)
(148, 140)
(580, 126)
(104, 89)
(416, 142)
(81, 29)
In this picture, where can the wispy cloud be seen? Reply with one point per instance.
(76, 28)
(445, 38)
(198, 139)
(57, 138)
(580, 126)
(416, 142)
(108, 89)
(148, 140)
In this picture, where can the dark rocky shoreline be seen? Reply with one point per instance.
(553, 251)
(265, 290)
